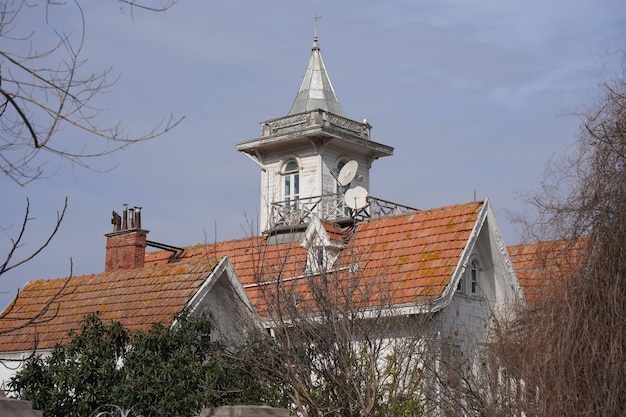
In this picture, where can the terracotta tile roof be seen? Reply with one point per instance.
(253, 258)
(336, 234)
(540, 265)
(410, 257)
(137, 298)
(416, 252)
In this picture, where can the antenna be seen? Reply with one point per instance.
(347, 173)
(356, 198)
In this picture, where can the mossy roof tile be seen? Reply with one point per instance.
(412, 255)
(137, 298)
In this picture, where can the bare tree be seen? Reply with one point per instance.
(568, 349)
(335, 342)
(46, 90)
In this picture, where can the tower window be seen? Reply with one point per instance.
(341, 189)
(291, 179)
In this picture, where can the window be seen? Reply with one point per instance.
(320, 259)
(291, 178)
(316, 261)
(474, 273)
(341, 189)
(469, 283)
(342, 209)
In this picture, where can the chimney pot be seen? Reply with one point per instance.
(126, 248)
(138, 217)
(125, 217)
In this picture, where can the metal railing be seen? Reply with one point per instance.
(314, 118)
(330, 207)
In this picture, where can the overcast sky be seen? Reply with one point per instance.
(474, 95)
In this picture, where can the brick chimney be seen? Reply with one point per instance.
(126, 244)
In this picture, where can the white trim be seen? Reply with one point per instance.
(513, 282)
(223, 267)
(316, 229)
(449, 292)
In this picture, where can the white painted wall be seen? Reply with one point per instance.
(12, 362)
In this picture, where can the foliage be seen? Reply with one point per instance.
(165, 371)
(77, 378)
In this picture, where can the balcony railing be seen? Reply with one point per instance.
(330, 207)
(315, 118)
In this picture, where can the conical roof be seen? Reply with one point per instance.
(316, 91)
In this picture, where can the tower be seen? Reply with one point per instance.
(302, 153)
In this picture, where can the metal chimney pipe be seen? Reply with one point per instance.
(131, 218)
(125, 217)
(138, 217)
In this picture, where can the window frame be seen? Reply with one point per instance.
(291, 181)
(470, 282)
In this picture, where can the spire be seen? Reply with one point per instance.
(316, 91)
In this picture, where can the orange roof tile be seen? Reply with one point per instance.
(398, 260)
(137, 298)
(540, 265)
(415, 252)
(406, 258)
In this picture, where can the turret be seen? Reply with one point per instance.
(302, 153)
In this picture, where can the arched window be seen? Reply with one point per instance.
(469, 283)
(341, 189)
(474, 277)
(291, 179)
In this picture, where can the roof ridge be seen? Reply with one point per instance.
(182, 263)
(453, 206)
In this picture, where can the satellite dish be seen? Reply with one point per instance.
(347, 173)
(356, 198)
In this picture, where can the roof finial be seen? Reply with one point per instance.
(315, 19)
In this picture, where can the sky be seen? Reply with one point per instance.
(474, 95)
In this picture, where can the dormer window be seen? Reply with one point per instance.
(469, 284)
(320, 259)
(316, 260)
(322, 252)
(291, 180)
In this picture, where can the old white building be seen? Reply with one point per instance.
(317, 217)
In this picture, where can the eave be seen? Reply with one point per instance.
(266, 144)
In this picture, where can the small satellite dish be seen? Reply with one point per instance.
(356, 198)
(347, 173)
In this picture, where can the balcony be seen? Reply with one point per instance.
(297, 214)
(300, 121)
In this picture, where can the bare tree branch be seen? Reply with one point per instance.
(16, 243)
(40, 99)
